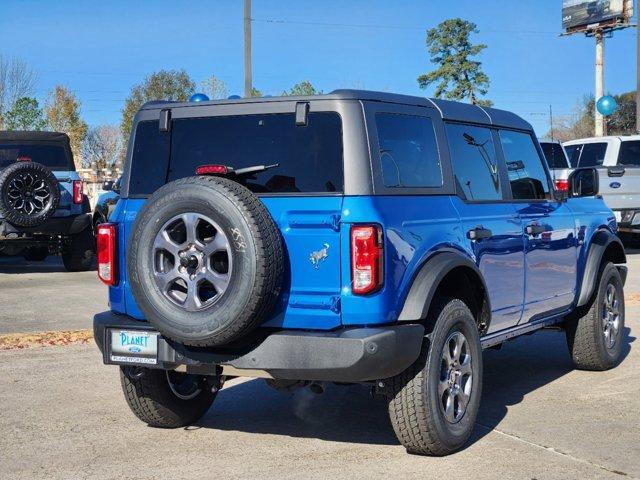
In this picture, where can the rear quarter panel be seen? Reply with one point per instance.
(415, 227)
(590, 215)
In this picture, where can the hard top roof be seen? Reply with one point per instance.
(27, 136)
(448, 110)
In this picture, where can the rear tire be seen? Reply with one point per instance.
(78, 257)
(432, 408)
(595, 338)
(160, 404)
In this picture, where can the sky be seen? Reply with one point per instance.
(100, 49)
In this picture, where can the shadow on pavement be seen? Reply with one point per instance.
(18, 265)
(349, 414)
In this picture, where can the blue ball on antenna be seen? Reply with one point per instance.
(607, 105)
(198, 97)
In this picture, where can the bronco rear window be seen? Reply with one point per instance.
(52, 156)
(304, 159)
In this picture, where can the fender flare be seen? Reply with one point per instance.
(602, 239)
(428, 279)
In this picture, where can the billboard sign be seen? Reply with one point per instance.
(588, 14)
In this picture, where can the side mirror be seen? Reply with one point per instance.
(108, 185)
(116, 187)
(584, 182)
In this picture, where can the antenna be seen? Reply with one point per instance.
(553, 150)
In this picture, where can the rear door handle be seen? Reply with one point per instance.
(534, 229)
(479, 233)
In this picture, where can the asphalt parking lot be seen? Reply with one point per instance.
(63, 415)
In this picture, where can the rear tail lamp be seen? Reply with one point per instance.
(77, 192)
(366, 259)
(106, 253)
(212, 170)
(562, 185)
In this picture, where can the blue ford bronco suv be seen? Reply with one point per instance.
(43, 210)
(355, 237)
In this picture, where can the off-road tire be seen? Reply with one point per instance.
(78, 255)
(585, 329)
(33, 170)
(412, 397)
(151, 399)
(36, 254)
(256, 251)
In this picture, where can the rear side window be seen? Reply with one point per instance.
(306, 159)
(408, 151)
(554, 154)
(588, 154)
(474, 161)
(150, 159)
(629, 153)
(527, 175)
(53, 156)
(573, 153)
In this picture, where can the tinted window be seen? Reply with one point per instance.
(629, 153)
(526, 171)
(554, 153)
(305, 158)
(592, 154)
(52, 156)
(150, 159)
(408, 151)
(573, 152)
(474, 161)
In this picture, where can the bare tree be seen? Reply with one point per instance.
(215, 88)
(101, 148)
(17, 80)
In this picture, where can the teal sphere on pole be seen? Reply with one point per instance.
(607, 105)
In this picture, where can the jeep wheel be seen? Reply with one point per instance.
(78, 256)
(167, 399)
(205, 261)
(595, 339)
(29, 194)
(434, 403)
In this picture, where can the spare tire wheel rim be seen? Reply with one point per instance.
(28, 193)
(192, 261)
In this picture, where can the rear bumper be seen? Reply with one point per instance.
(344, 355)
(54, 226)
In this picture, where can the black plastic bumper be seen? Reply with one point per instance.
(345, 355)
(54, 226)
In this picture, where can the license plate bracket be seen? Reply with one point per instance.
(132, 347)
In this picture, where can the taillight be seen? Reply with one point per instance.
(212, 170)
(77, 192)
(366, 259)
(106, 253)
(562, 185)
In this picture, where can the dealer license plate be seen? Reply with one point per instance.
(618, 215)
(134, 346)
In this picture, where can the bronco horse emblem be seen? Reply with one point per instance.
(317, 257)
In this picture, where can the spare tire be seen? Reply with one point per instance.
(29, 194)
(205, 261)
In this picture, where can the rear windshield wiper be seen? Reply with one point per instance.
(251, 170)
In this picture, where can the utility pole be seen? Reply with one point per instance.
(599, 80)
(248, 87)
(638, 79)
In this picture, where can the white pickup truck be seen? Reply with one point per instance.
(618, 162)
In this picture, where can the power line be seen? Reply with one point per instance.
(383, 26)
